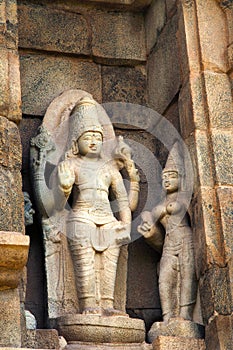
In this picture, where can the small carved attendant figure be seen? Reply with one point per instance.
(94, 234)
(177, 279)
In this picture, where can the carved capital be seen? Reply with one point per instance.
(14, 248)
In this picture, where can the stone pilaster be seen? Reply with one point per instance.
(206, 107)
(13, 243)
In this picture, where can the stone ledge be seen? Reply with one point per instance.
(13, 257)
(99, 329)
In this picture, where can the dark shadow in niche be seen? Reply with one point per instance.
(142, 284)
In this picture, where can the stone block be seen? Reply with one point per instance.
(215, 293)
(225, 202)
(107, 346)
(188, 40)
(154, 21)
(164, 77)
(10, 319)
(219, 333)
(176, 327)
(49, 29)
(191, 106)
(10, 100)
(4, 79)
(199, 239)
(14, 87)
(219, 99)
(213, 234)
(11, 203)
(100, 329)
(223, 155)
(13, 257)
(41, 339)
(8, 24)
(126, 30)
(213, 35)
(178, 343)
(199, 150)
(45, 77)
(124, 84)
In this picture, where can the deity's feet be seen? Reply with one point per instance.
(114, 312)
(92, 311)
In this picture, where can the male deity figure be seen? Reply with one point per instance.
(93, 232)
(177, 279)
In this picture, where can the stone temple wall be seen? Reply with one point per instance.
(174, 56)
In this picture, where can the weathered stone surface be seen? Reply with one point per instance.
(125, 30)
(214, 239)
(219, 333)
(164, 77)
(199, 239)
(219, 100)
(27, 128)
(53, 30)
(124, 84)
(107, 346)
(223, 155)
(41, 339)
(154, 22)
(215, 293)
(10, 318)
(13, 257)
(191, 107)
(11, 208)
(178, 343)
(213, 35)
(170, 7)
(8, 20)
(45, 77)
(10, 100)
(225, 199)
(94, 328)
(176, 327)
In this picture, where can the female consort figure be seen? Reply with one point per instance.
(93, 232)
(177, 279)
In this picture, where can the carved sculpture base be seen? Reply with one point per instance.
(99, 329)
(176, 327)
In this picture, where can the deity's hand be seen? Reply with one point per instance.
(66, 176)
(123, 233)
(147, 224)
(131, 170)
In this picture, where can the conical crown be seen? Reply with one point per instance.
(84, 117)
(174, 160)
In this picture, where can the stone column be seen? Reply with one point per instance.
(13, 243)
(206, 121)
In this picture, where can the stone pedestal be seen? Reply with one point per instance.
(176, 327)
(178, 343)
(86, 331)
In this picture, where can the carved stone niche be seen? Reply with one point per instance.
(13, 257)
(79, 269)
